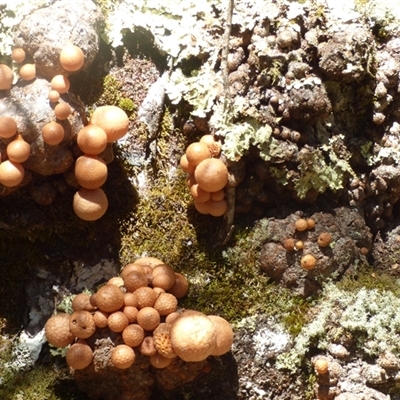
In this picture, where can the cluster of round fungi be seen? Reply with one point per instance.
(140, 306)
(108, 124)
(208, 175)
(308, 261)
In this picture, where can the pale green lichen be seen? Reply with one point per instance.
(370, 315)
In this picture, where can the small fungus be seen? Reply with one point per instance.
(113, 120)
(134, 280)
(301, 224)
(116, 280)
(214, 147)
(159, 362)
(79, 355)
(146, 297)
(308, 261)
(53, 133)
(198, 194)
(148, 318)
(90, 204)
(57, 330)
(163, 276)
(18, 150)
(109, 298)
(60, 83)
(147, 347)
(82, 302)
(197, 152)
(310, 223)
(6, 77)
(62, 111)
(217, 208)
(92, 139)
(217, 196)
(180, 287)
(122, 356)
(18, 55)
(72, 58)
(324, 239)
(162, 341)
(117, 321)
(211, 174)
(321, 366)
(166, 303)
(289, 244)
(133, 335)
(8, 127)
(81, 324)
(11, 173)
(100, 318)
(27, 72)
(224, 335)
(90, 171)
(54, 96)
(131, 313)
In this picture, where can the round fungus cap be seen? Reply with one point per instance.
(109, 298)
(81, 324)
(224, 335)
(166, 303)
(90, 204)
(122, 356)
(92, 139)
(62, 111)
(60, 83)
(53, 133)
(148, 318)
(72, 58)
(180, 287)
(18, 150)
(18, 55)
(117, 321)
(211, 174)
(133, 335)
(57, 330)
(27, 72)
(11, 173)
(193, 336)
(197, 152)
(90, 171)
(8, 127)
(159, 362)
(6, 77)
(79, 355)
(113, 120)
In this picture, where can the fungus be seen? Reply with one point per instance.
(90, 204)
(18, 150)
(130, 299)
(92, 139)
(62, 111)
(90, 171)
(197, 152)
(8, 127)
(133, 335)
(148, 318)
(159, 362)
(11, 173)
(60, 83)
(54, 96)
(163, 276)
(214, 147)
(301, 225)
(113, 120)
(180, 287)
(217, 208)
(224, 335)
(72, 58)
(79, 355)
(184, 163)
(57, 330)
(158, 291)
(131, 313)
(193, 336)
(82, 302)
(170, 318)
(166, 303)
(116, 280)
(109, 298)
(299, 245)
(134, 280)
(81, 324)
(100, 318)
(289, 244)
(202, 208)
(6, 77)
(310, 223)
(131, 267)
(198, 194)
(152, 261)
(146, 297)
(27, 72)
(321, 366)
(18, 55)
(217, 196)
(117, 321)
(162, 341)
(308, 262)
(147, 347)
(122, 356)
(211, 174)
(53, 133)
(324, 239)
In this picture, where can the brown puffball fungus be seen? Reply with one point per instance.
(147, 347)
(289, 244)
(224, 335)
(308, 262)
(60, 83)
(113, 120)
(146, 297)
(54, 96)
(6, 77)
(27, 72)
(133, 335)
(11, 173)
(197, 152)
(62, 111)
(72, 58)
(92, 139)
(166, 303)
(122, 356)
(159, 362)
(82, 302)
(90, 171)
(214, 146)
(100, 318)
(321, 366)
(79, 355)
(185, 165)
(18, 150)
(310, 223)
(109, 298)
(198, 194)
(116, 280)
(152, 261)
(90, 204)
(130, 299)
(162, 341)
(163, 276)
(301, 224)
(134, 280)
(193, 336)
(53, 133)
(148, 318)
(8, 127)
(217, 208)
(130, 312)
(324, 239)
(18, 55)
(217, 196)
(57, 330)
(81, 324)
(117, 321)
(211, 174)
(180, 287)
